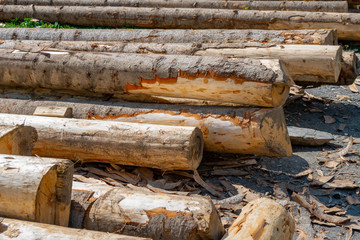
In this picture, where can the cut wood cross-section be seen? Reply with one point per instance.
(17, 140)
(35, 189)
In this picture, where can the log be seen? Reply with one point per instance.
(243, 81)
(262, 219)
(346, 24)
(319, 37)
(17, 140)
(12, 229)
(323, 6)
(145, 213)
(35, 189)
(305, 64)
(156, 146)
(225, 129)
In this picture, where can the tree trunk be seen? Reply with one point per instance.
(262, 219)
(36, 189)
(243, 81)
(12, 229)
(321, 37)
(156, 146)
(323, 6)
(17, 140)
(225, 129)
(346, 24)
(146, 214)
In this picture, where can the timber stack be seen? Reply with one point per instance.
(80, 106)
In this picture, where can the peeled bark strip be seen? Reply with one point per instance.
(12, 229)
(346, 24)
(243, 81)
(316, 6)
(225, 129)
(35, 189)
(156, 146)
(262, 219)
(17, 140)
(319, 37)
(146, 214)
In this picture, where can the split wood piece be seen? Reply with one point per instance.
(51, 111)
(156, 146)
(262, 219)
(145, 214)
(256, 82)
(225, 129)
(346, 24)
(315, 6)
(319, 37)
(36, 189)
(308, 137)
(17, 140)
(305, 63)
(12, 229)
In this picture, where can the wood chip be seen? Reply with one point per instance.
(201, 182)
(342, 152)
(353, 88)
(343, 183)
(159, 190)
(352, 200)
(341, 127)
(328, 119)
(331, 164)
(320, 180)
(303, 173)
(342, 97)
(128, 177)
(323, 223)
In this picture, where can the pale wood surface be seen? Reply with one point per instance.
(51, 111)
(157, 146)
(35, 189)
(17, 140)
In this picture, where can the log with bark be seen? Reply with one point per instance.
(146, 145)
(144, 213)
(13, 229)
(17, 140)
(319, 37)
(262, 219)
(243, 81)
(347, 24)
(225, 129)
(306, 64)
(35, 189)
(315, 6)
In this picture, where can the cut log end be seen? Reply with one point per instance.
(279, 95)
(275, 134)
(196, 148)
(262, 219)
(17, 140)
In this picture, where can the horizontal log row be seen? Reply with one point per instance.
(319, 37)
(35, 189)
(347, 24)
(243, 81)
(304, 63)
(312, 6)
(225, 129)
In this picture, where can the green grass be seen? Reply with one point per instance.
(32, 23)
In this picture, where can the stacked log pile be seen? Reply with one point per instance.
(109, 99)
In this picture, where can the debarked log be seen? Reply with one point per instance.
(13, 229)
(144, 213)
(253, 36)
(262, 219)
(225, 129)
(146, 145)
(35, 189)
(346, 24)
(313, 6)
(304, 63)
(244, 81)
(17, 140)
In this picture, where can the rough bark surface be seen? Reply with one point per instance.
(225, 129)
(160, 216)
(35, 189)
(321, 36)
(346, 24)
(262, 219)
(315, 6)
(243, 81)
(156, 146)
(17, 140)
(12, 229)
